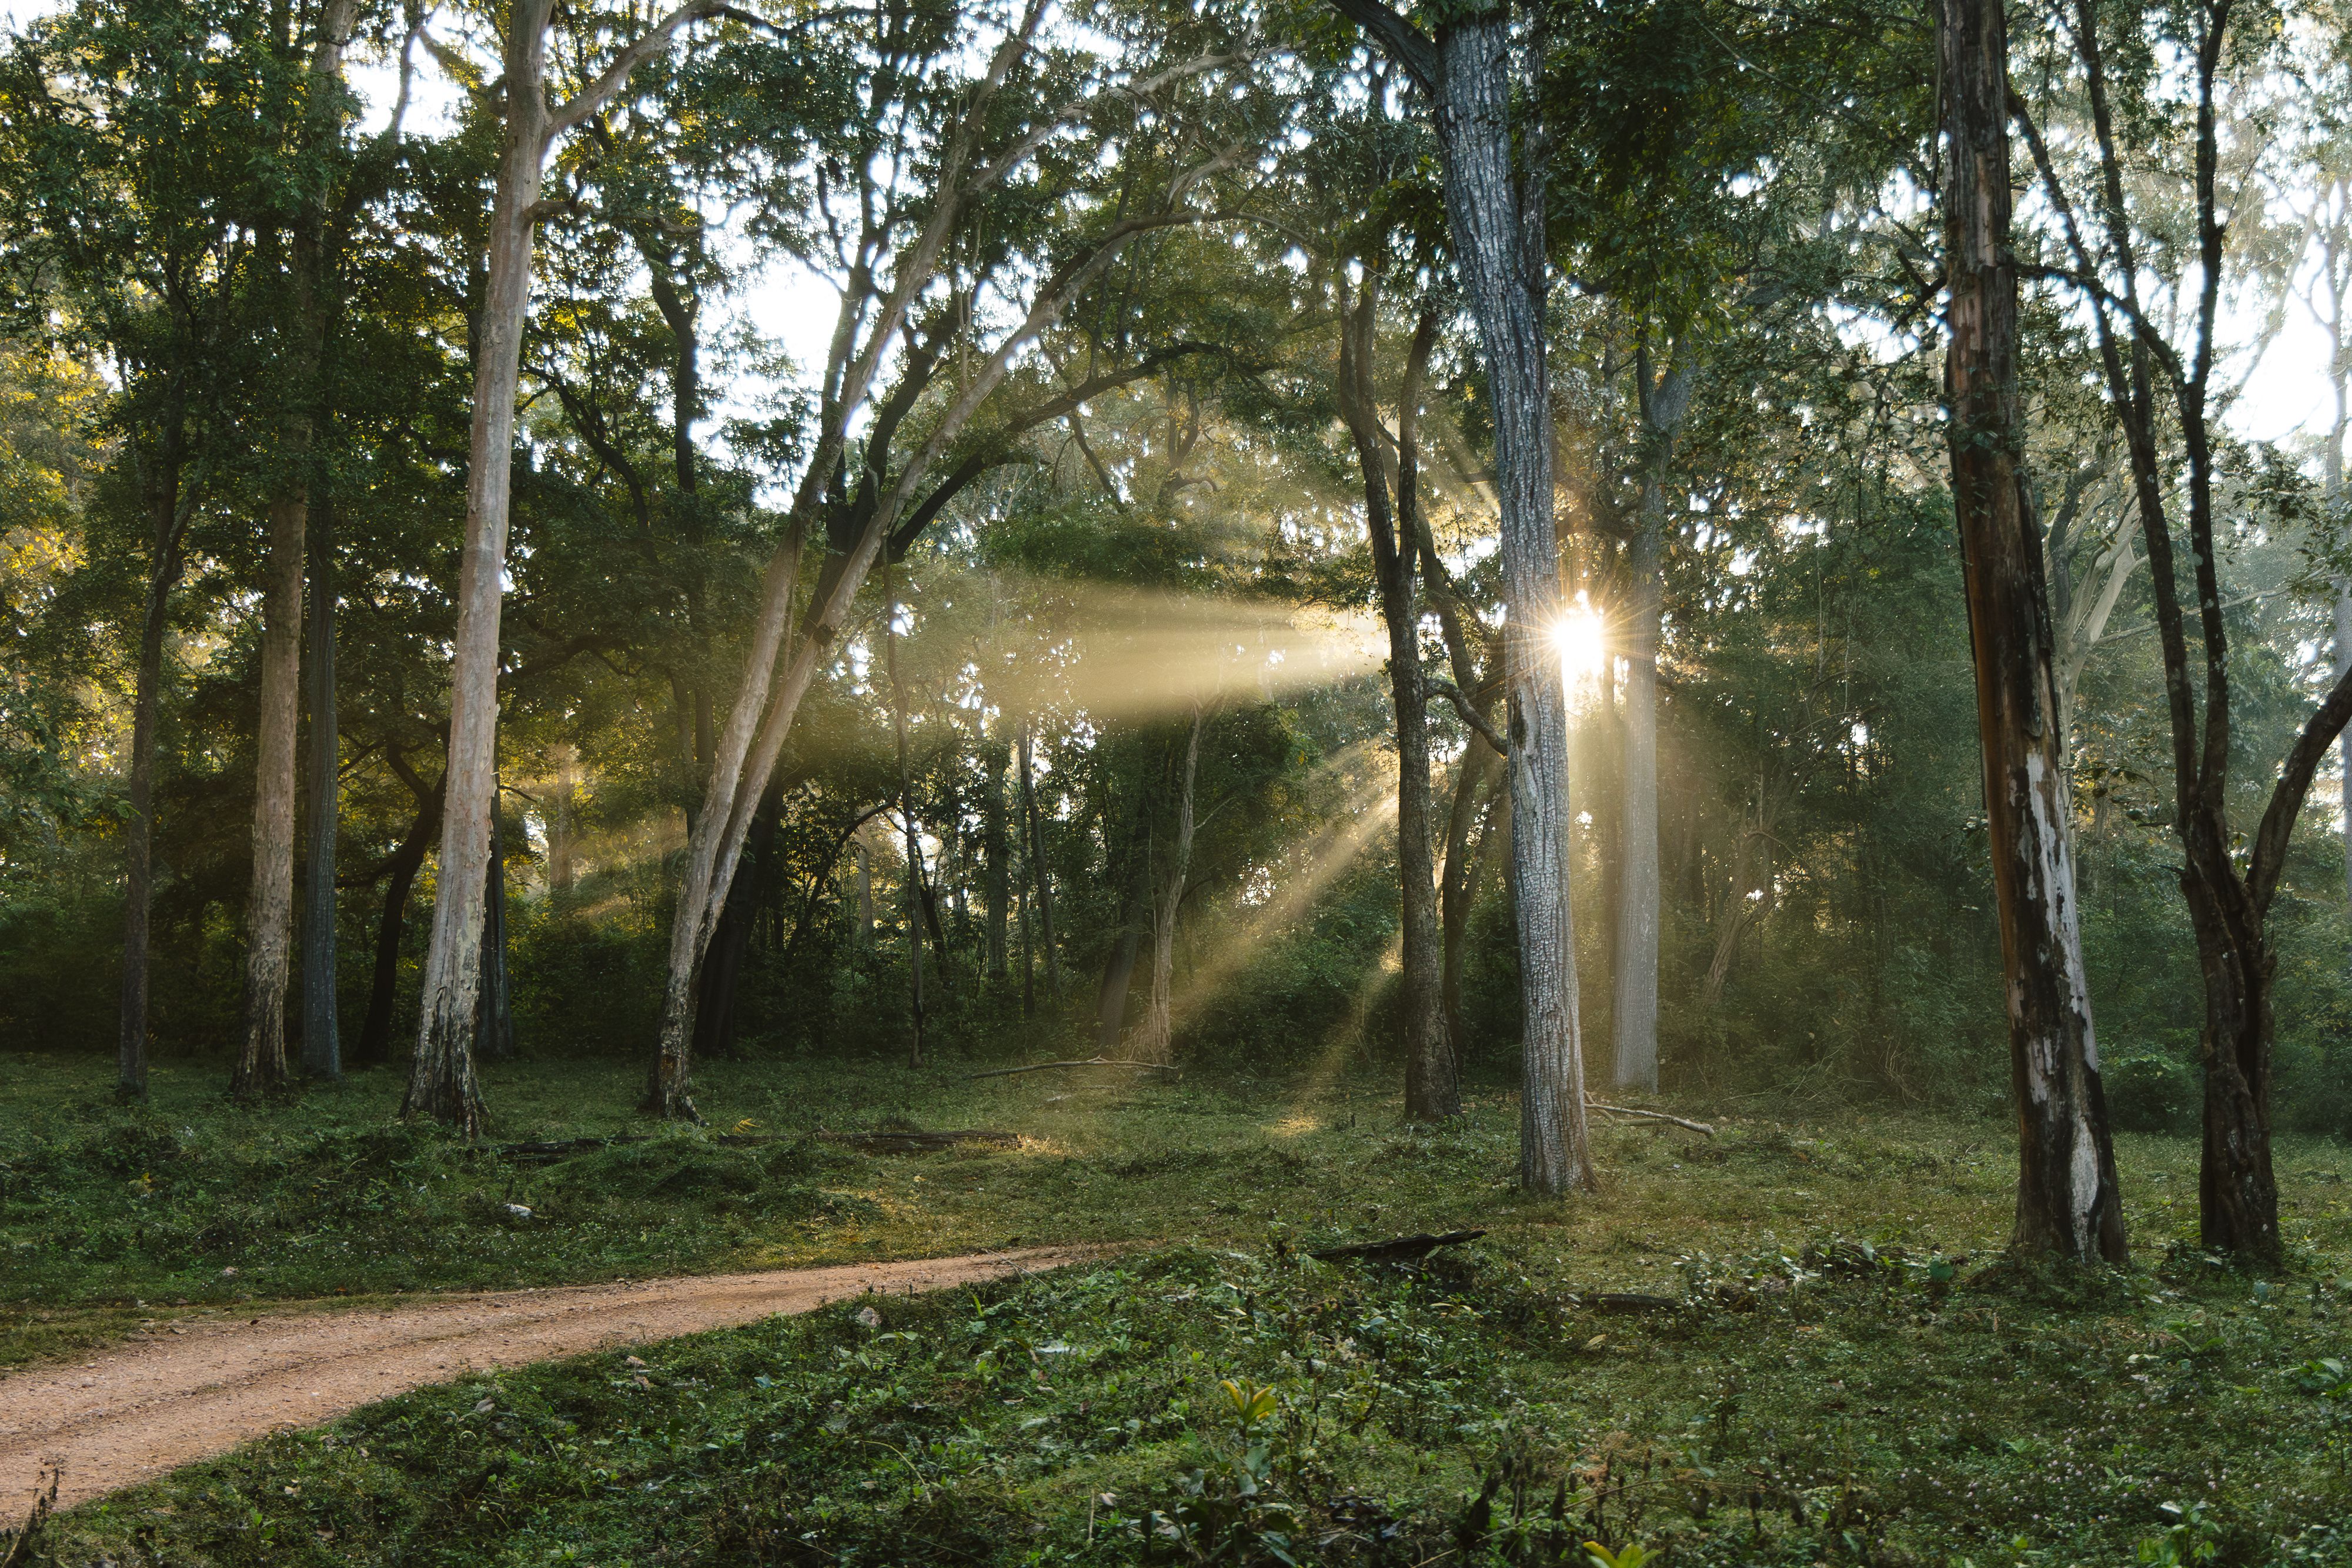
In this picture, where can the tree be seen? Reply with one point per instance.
(270, 911)
(2067, 1204)
(2145, 365)
(441, 1082)
(1494, 217)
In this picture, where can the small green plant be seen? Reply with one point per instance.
(1629, 1555)
(2193, 1537)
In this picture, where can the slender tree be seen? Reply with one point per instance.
(2067, 1204)
(441, 1082)
(1494, 184)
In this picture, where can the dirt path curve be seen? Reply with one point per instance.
(134, 1413)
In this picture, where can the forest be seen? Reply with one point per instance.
(1180, 781)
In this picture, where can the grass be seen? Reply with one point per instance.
(1845, 1382)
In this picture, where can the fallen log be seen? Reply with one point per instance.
(1172, 1071)
(1402, 1249)
(1651, 1116)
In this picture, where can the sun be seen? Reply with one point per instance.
(1582, 640)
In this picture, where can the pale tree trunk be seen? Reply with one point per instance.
(1666, 401)
(1432, 1090)
(2067, 1202)
(322, 1053)
(778, 667)
(441, 1081)
(1156, 1042)
(269, 910)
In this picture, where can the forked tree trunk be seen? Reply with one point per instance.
(1156, 1042)
(1432, 1089)
(2067, 1203)
(441, 1082)
(270, 909)
(323, 1054)
(1633, 1022)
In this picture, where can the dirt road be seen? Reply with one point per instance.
(202, 1389)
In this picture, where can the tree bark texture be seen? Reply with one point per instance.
(2067, 1202)
(441, 1081)
(269, 908)
(323, 1054)
(1503, 273)
(1432, 1085)
(1633, 1021)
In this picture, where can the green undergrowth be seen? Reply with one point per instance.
(1842, 1380)
(1843, 1404)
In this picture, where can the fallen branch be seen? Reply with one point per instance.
(1090, 1061)
(1402, 1250)
(1652, 1116)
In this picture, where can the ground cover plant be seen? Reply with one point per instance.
(1842, 1368)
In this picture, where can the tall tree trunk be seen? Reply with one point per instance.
(1156, 1043)
(269, 910)
(169, 509)
(997, 873)
(1497, 230)
(2067, 1203)
(864, 898)
(407, 858)
(322, 1055)
(441, 1082)
(1432, 1088)
(1028, 957)
(1633, 1021)
(1041, 880)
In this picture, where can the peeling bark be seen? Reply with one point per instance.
(2067, 1201)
